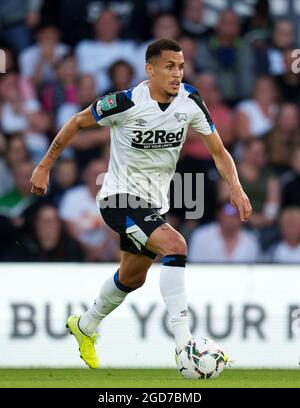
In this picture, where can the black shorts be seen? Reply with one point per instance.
(135, 225)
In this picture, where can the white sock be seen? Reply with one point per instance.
(110, 298)
(172, 289)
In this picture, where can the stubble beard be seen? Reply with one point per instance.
(170, 94)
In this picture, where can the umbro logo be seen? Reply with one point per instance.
(141, 122)
(180, 116)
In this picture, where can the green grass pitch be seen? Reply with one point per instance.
(144, 378)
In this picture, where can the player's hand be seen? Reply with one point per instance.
(240, 202)
(40, 180)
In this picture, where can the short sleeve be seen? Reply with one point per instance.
(111, 108)
(201, 121)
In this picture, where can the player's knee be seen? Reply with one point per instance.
(177, 246)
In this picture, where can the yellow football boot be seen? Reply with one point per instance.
(86, 343)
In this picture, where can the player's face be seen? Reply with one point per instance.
(166, 72)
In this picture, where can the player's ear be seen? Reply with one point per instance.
(149, 70)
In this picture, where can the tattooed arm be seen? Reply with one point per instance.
(40, 176)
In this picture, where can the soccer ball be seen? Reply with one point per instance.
(201, 358)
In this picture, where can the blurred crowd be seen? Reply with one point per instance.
(61, 55)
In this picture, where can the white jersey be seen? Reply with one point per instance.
(146, 140)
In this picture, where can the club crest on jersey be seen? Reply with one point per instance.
(108, 102)
(180, 116)
(152, 217)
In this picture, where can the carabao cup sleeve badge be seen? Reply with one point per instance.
(108, 102)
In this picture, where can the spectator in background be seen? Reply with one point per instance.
(73, 18)
(165, 25)
(284, 137)
(255, 117)
(221, 114)
(14, 203)
(4, 172)
(222, 55)
(257, 30)
(288, 83)
(11, 63)
(283, 38)
(260, 20)
(288, 249)
(15, 106)
(48, 241)
(189, 48)
(265, 55)
(95, 56)
(86, 94)
(192, 19)
(291, 181)
(18, 18)
(265, 49)
(14, 152)
(81, 215)
(15, 208)
(88, 144)
(123, 8)
(22, 114)
(134, 16)
(64, 86)
(37, 61)
(121, 74)
(27, 90)
(145, 12)
(84, 14)
(64, 178)
(224, 240)
(262, 188)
